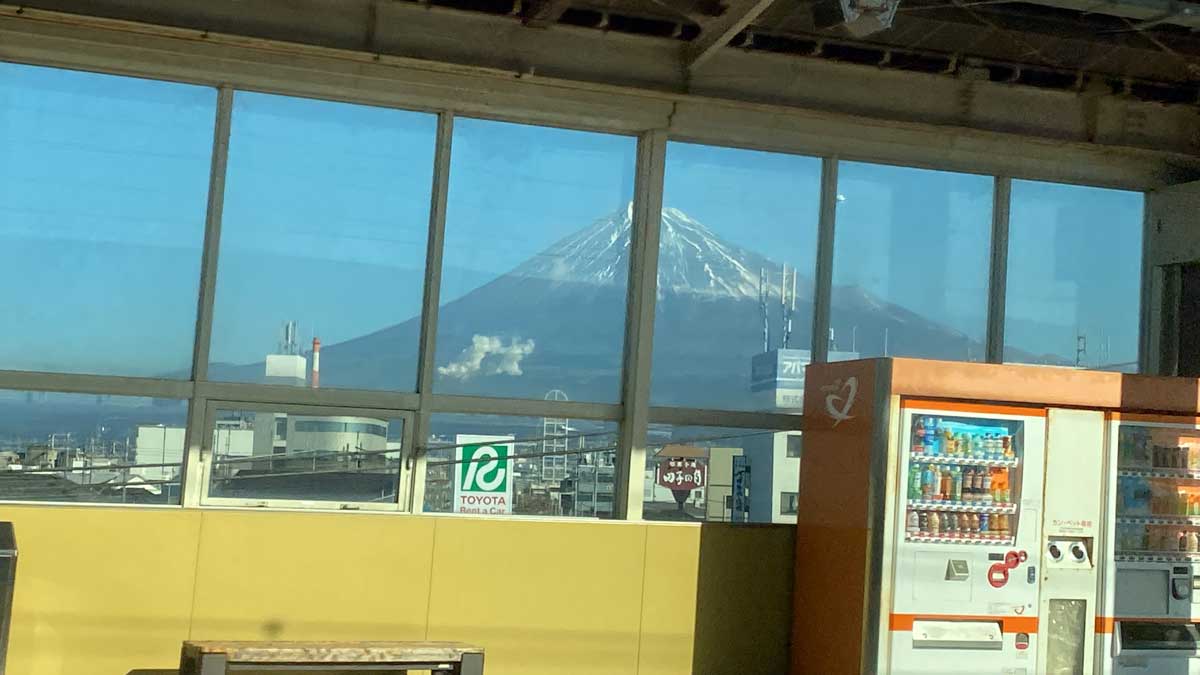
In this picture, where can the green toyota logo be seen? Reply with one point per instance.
(484, 468)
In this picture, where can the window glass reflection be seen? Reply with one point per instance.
(911, 263)
(323, 238)
(103, 193)
(1074, 276)
(736, 258)
(536, 262)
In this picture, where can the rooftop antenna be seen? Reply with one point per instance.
(287, 338)
(788, 304)
(763, 294)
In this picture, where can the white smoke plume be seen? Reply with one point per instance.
(487, 355)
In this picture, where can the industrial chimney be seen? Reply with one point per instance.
(316, 371)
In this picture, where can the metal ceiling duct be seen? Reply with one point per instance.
(859, 18)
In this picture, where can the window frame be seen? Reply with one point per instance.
(783, 502)
(652, 120)
(403, 474)
(787, 451)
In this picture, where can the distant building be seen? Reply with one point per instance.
(158, 444)
(288, 369)
(773, 463)
(777, 377)
(588, 492)
(719, 491)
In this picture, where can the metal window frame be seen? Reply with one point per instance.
(641, 296)
(998, 270)
(367, 79)
(202, 481)
(193, 435)
(439, 194)
(823, 276)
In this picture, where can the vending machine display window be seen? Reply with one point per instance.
(1158, 494)
(1149, 636)
(963, 479)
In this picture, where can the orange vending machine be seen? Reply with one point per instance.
(958, 518)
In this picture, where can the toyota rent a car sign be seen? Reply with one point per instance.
(483, 470)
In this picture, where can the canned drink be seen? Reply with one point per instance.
(923, 521)
(983, 522)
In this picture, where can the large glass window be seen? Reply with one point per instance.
(103, 184)
(276, 455)
(324, 232)
(90, 448)
(737, 251)
(501, 465)
(718, 474)
(1074, 276)
(911, 263)
(536, 262)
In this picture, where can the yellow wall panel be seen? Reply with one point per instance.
(113, 591)
(744, 604)
(547, 597)
(100, 591)
(312, 576)
(669, 600)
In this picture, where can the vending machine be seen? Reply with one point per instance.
(967, 559)
(1150, 605)
(951, 518)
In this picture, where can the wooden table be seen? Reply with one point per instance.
(219, 658)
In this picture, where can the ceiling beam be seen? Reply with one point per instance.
(545, 13)
(591, 79)
(717, 33)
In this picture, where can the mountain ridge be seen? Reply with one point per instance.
(556, 321)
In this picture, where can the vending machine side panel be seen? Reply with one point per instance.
(840, 521)
(1075, 451)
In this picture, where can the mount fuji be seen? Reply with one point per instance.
(556, 322)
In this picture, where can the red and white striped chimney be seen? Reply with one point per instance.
(316, 372)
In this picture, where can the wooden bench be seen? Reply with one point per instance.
(219, 658)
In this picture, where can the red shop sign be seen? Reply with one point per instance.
(681, 473)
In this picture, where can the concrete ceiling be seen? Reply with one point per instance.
(1034, 44)
(990, 40)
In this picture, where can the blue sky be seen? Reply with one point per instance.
(102, 203)
(917, 238)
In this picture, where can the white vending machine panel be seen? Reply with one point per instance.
(965, 584)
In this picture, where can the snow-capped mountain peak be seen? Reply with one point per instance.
(692, 258)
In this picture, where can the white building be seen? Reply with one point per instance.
(158, 444)
(773, 463)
